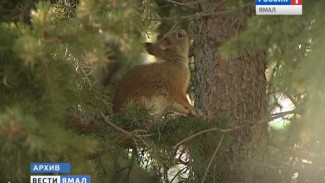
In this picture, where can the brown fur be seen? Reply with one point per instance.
(160, 85)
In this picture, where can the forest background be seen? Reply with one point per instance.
(61, 60)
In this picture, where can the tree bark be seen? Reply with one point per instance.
(234, 88)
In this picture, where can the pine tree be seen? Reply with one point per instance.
(60, 62)
(294, 50)
(48, 67)
(233, 88)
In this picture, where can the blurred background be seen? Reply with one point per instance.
(61, 61)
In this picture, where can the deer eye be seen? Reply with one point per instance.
(180, 35)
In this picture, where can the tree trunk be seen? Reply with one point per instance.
(233, 87)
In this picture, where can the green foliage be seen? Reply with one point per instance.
(53, 63)
(294, 47)
(157, 141)
(47, 67)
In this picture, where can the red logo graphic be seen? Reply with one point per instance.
(296, 2)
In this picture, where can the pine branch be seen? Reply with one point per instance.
(191, 16)
(190, 4)
(197, 15)
(25, 12)
(84, 121)
(186, 5)
(212, 158)
(179, 173)
(178, 3)
(248, 124)
(282, 114)
(85, 74)
(127, 133)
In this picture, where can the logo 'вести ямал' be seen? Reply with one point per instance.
(45, 168)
